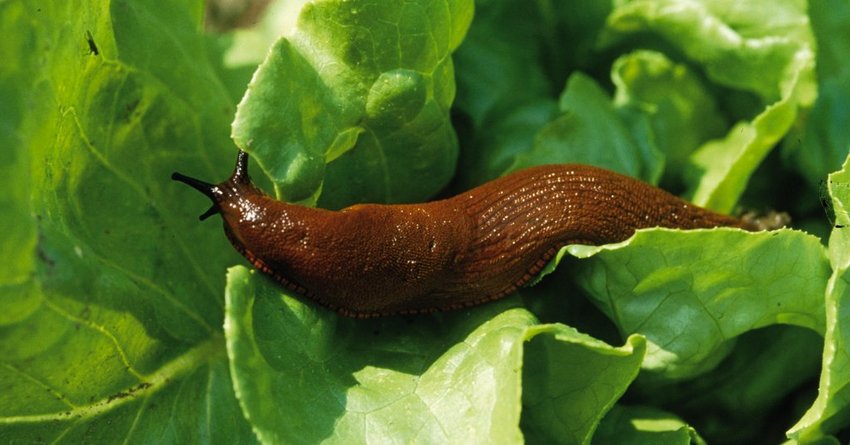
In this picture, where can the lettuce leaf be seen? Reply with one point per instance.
(761, 47)
(305, 376)
(829, 411)
(640, 424)
(353, 106)
(107, 283)
(589, 131)
(688, 294)
(820, 146)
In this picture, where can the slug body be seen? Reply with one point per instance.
(372, 260)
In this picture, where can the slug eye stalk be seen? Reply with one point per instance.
(214, 191)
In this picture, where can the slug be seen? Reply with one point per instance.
(373, 260)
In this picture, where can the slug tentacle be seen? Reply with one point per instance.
(371, 260)
(240, 173)
(211, 190)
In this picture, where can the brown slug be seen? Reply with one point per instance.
(372, 260)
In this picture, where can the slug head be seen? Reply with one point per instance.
(234, 187)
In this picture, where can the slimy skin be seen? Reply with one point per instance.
(374, 260)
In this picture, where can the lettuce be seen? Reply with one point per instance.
(122, 319)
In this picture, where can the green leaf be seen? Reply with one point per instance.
(745, 46)
(724, 166)
(498, 64)
(688, 293)
(824, 141)
(642, 425)
(364, 88)
(18, 234)
(680, 112)
(112, 302)
(753, 395)
(763, 47)
(304, 375)
(187, 400)
(514, 60)
(589, 132)
(247, 47)
(491, 153)
(571, 380)
(829, 412)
